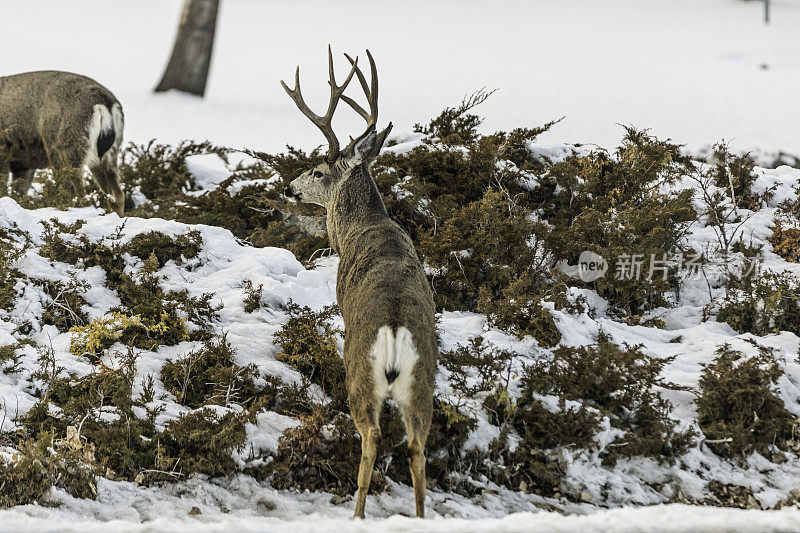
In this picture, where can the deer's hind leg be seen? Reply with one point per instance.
(365, 412)
(417, 420)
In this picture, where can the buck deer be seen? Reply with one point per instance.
(62, 121)
(390, 346)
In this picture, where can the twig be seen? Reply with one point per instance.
(718, 441)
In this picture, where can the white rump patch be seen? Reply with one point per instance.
(393, 355)
(104, 120)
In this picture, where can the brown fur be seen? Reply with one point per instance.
(380, 282)
(381, 285)
(44, 121)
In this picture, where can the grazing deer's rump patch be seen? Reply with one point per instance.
(105, 141)
(393, 357)
(104, 133)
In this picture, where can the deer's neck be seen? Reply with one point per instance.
(355, 205)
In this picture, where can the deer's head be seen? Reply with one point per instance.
(317, 185)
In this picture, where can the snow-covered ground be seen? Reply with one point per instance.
(222, 268)
(656, 519)
(692, 70)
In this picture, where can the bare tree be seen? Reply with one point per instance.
(188, 66)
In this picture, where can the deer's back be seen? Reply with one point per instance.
(46, 105)
(381, 282)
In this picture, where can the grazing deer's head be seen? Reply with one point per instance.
(317, 185)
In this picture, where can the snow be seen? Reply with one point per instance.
(267, 517)
(691, 70)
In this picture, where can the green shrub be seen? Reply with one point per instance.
(533, 465)
(617, 207)
(786, 242)
(455, 125)
(619, 383)
(308, 343)
(101, 333)
(518, 309)
(491, 218)
(476, 367)
(157, 310)
(242, 214)
(738, 406)
(151, 315)
(210, 376)
(560, 406)
(125, 443)
(481, 246)
(64, 308)
(39, 465)
(160, 170)
(9, 360)
(60, 189)
(13, 244)
(56, 248)
(166, 248)
(252, 302)
(732, 171)
(203, 441)
(288, 165)
(426, 186)
(762, 303)
(542, 429)
(256, 213)
(322, 453)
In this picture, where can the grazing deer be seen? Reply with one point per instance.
(60, 120)
(390, 346)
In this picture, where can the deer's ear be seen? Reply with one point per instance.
(364, 146)
(368, 145)
(382, 138)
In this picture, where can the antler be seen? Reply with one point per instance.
(324, 122)
(370, 90)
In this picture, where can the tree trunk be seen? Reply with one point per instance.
(188, 66)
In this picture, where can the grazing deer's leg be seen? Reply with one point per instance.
(67, 159)
(4, 168)
(22, 181)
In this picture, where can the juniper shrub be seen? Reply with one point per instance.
(738, 403)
